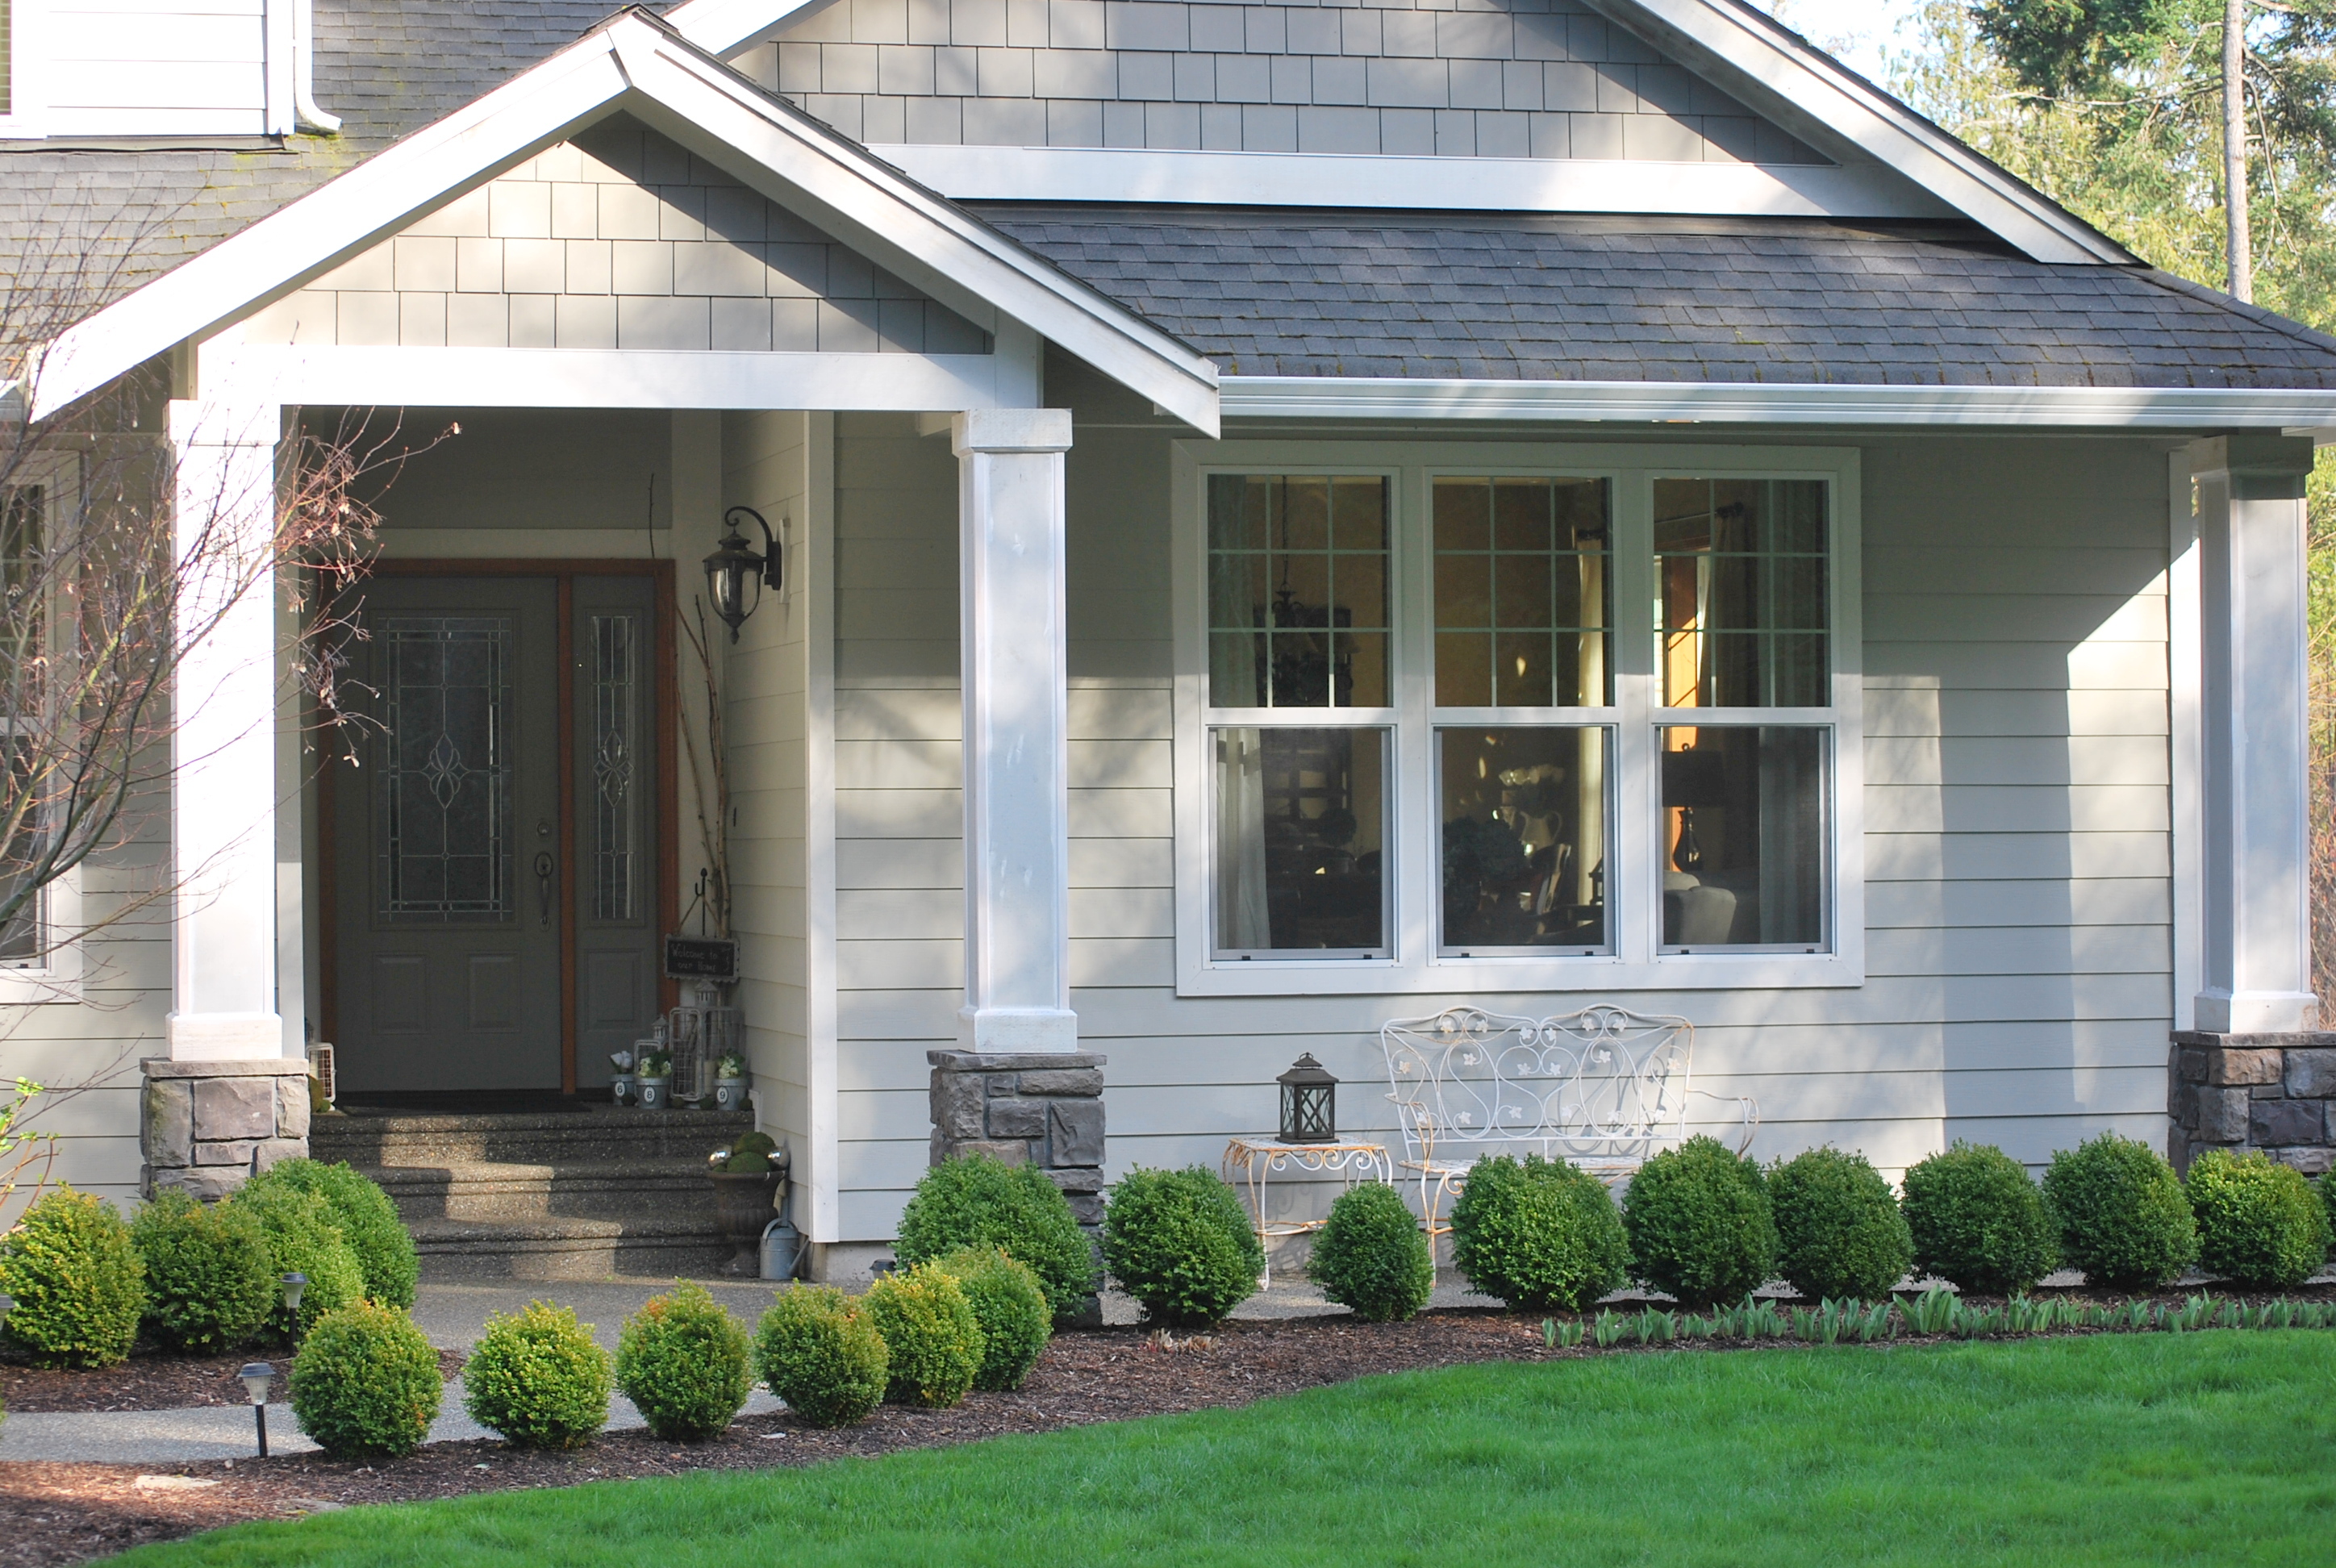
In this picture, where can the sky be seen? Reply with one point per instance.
(1857, 31)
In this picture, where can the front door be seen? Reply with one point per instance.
(492, 930)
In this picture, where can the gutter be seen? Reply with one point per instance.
(2295, 411)
(304, 73)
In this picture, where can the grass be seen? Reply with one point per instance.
(2214, 1447)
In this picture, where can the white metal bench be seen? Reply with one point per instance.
(1605, 1087)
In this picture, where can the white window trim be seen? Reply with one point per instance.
(27, 82)
(1635, 961)
(57, 977)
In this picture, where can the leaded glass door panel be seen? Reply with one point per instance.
(612, 644)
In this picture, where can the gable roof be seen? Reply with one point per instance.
(636, 64)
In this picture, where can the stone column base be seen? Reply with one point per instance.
(201, 1123)
(1042, 1110)
(2276, 1093)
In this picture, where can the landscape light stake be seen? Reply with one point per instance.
(257, 1375)
(293, 1285)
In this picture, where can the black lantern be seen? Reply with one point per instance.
(1309, 1103)
(735, 565)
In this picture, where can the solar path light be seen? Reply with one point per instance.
(257, 1375)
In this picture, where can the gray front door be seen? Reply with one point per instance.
(482, 920)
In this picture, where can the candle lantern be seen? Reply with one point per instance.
(1309, 1103)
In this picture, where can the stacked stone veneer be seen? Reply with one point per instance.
(1038, 1110)
(2276, 1093)
(202, 1122)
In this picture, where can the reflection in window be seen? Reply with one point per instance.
(1298, 592)
(1741, 582)
(23, 638)
(1744, 833)
(615, 853)
(1301, 828)
(1522, 590)
(1524, 837)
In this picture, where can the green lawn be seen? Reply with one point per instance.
(2211, 1447)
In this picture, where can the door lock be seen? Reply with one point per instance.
(544, 869)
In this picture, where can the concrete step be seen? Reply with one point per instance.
(494, 1190)
(599, 1133)
(570, 1248)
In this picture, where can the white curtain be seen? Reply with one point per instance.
(1242, 924)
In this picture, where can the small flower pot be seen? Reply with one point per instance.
(743, 1204)
(730, 1094)
(657, 1094)
(622, 1090)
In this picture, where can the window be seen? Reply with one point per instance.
(1511, 717)
(39, 960)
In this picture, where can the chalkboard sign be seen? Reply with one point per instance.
(701, 958)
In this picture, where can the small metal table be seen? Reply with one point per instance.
(1250, 1162)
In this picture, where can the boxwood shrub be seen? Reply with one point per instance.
(682, 1359)
(1371, 1257)
(1539, 1234)
(302, 1239)
(1839, 1234)
(976, 1201)
(208, 1283)
(366, 1383)
(2121, 1214)
(1699, 1223)
(79, 1285)
(2260, 1223)
(1181, 1243)
(536, 1377)
(1978, 1221)
(820, 1351)
(367, 1220)
(2327, 1185)
(1011, 1307)
(931, 1334)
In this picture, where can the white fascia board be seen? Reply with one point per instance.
(837, 185)
(1744, 51)
(722, 27)
(598, 379)
(1374, 181)
(1597, 402)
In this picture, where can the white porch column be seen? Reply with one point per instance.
(2257, 937)
(1015, 673)
(223, 745)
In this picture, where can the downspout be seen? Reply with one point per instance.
(304, 91)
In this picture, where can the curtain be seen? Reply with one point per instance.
(1242, 924)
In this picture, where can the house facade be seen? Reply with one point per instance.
(1289, 516)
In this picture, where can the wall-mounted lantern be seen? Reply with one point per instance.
(1309, 1103)
(736, 574)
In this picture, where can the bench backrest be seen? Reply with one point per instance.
(1601, 1087)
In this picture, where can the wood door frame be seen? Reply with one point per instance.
(665, 693)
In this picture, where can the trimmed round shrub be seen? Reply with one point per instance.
(1011, 1307)
(302, 1239)
(366, 1383)
(536, 1377)
(681, 1359)
(1839, 1234)
(2119, 1214)
(980, 1202)
(367, 1220)
(2327, 1185)
(1539, 1234)
(2259, 1224)
(1371, 1258)
(1978, 1221)
(1699, 1225)
(931, 1334)
(821, 1354)
(79, 1287)
(1181, 1243)
(208, 1284)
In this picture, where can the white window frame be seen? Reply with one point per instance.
(26, 80)
(1635, 960)
(57, 976)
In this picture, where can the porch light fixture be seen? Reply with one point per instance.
(735, 564)
(1309, 1103)
(257, 1375)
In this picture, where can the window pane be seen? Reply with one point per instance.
(1524, 816)
(1743, 577)
(1522, 602)
(1301, 827)
(1298, 592)
(616, 745)
(444, 782)
(1744, 833)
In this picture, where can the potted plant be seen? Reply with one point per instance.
(656, 1082)
(730, 1079)
(620, 1086)
(746, 1177)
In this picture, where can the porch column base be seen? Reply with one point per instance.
(1018, 1031)
(2275, 1092)
(201, 1122)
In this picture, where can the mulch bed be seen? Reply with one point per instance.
(54, 1513)
(153, 1383)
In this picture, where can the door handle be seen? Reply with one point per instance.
(544, 870)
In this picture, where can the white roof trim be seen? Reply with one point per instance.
(637, 66)
(1380, 181)
(1592, 402)
(722, 27)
